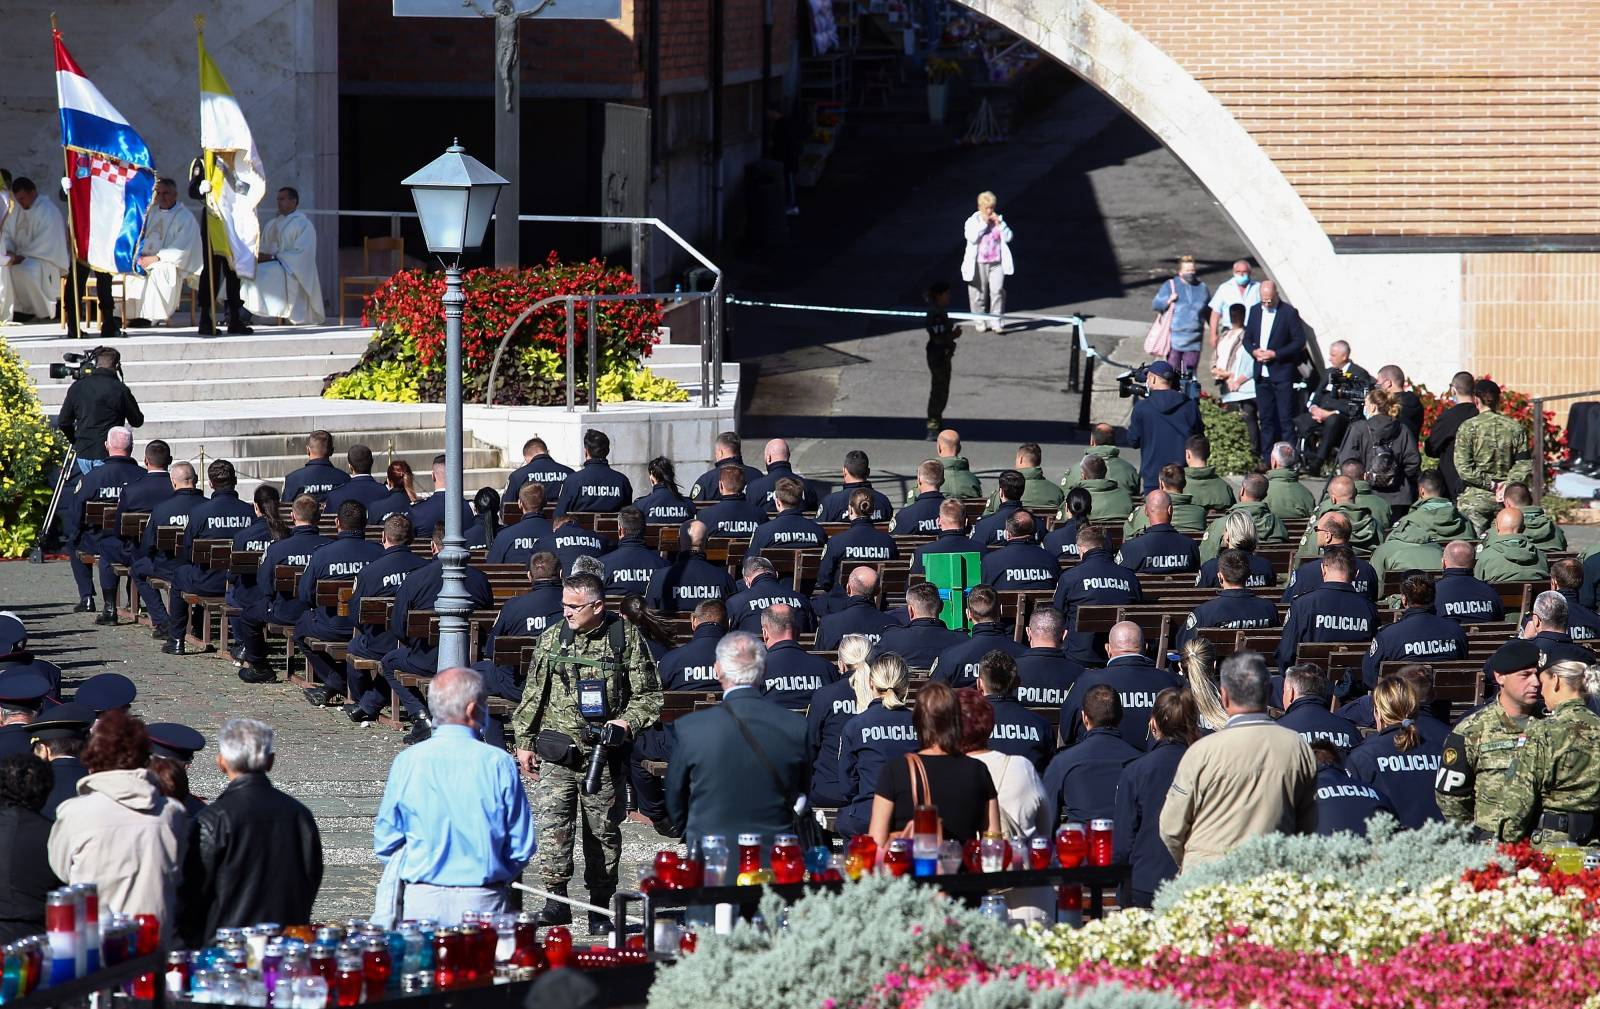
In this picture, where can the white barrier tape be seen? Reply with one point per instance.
(1075, 321)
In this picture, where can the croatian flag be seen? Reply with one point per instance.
(111, 180)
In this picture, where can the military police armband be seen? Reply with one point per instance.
(1455, 777)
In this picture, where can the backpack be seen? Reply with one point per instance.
(1383, 466)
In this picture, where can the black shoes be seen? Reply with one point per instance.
(357, 714)
(239, 328)
(107, 617)
(319, 697)
(176, 646)
(251, 673)
(419, 731)
(556, 912)
(159, 633)
(87, 605)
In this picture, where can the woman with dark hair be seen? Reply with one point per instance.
(485, 524)
(172, 777)
(402, 493)
(1136, 838)
(656, 632)
(664, 505)
(25, 876)
(958, 786)
(269, 500)
(1075, 508)
(120, 832)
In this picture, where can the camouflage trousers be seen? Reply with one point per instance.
(560, 809)
(1478, 507)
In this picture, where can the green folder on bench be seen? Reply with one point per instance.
(954, 575)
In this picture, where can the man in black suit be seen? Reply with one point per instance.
(1441, 443)
(1276, 338)
(737, 768)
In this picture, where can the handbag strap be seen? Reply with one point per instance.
(761, 754)
(919, 775)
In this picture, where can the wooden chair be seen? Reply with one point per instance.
(89, 304)
(368, 281)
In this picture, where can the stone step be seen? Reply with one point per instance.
(210, 389)
(401, 442)
(276, 467)
(136, 373)
(288, 417)
(190, 347)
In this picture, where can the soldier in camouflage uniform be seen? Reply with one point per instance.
(1564, 775)
(1483, 770)
(589, 644)
(1491, 450)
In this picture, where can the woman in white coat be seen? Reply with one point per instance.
(987, 262)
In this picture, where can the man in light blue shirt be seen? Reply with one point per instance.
(454, 815)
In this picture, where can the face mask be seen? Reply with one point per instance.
(1188, 277)
(1242, 279)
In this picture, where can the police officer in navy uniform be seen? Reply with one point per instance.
(595, 487)
(22, 693)
(1344, 802)
(831, 709)
(1080, 782)
(1062, 541)
(1402, 758)
(1132, 675)
(789, 529)
(381, 578)
(951, 537)
(1160, 549)
(761, 590)
(991, 529)
(152, 487)
(925, 638)
(862, 542)
(733, 515)
(879, 734)
(319, 476)
(518, 541)
(921, 515)
(1098, 579)
(1017, 731)
(630, 565)
(1461, 596)
(58, 737)
(303, 540)
(223, 517)
(1235, 605)
(665, 504)
(537, 468)
(178, 743)
(569, 540)
(420, 591)
(246, 587)
(1333, 529)
(1020, 564)
(857, 614)
(691, 666)
(840, 505)
(105, 692)
(1306, 697)
(689, 579)
(1334, 611)
(763, 490)
(361, 486)
(793, 675)
(523, 616)
(729, 452)
(959, 665)
(345, 557)
(101, 484)
(153, 562)
(1583, 624)
(429, 511)
(1416, 635)
(1045, 673)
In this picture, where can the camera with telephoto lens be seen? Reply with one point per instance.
(80, 364)
(1348, 387)
(603, 740)
(1133, 384)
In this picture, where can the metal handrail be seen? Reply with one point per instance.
(1538, 437)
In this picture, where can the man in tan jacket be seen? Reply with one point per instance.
(1251, 777)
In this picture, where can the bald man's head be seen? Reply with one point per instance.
(863, 581)
(1509, 521)
(1459, 554)
(1342, 490)
(777, 451)
(696, 535)
(1158, 506)
(1124, 639)
(949, 442)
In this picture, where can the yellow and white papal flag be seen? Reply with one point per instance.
(233, 168)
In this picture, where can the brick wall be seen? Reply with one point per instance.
(1512, 304)
(1408, 117)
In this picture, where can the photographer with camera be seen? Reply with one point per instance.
(592, 684)
(96, 402)
(1163, 421)
(1336, 403)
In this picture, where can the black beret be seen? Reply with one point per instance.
(1515, 656)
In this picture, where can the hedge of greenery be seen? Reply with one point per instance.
(29, 449)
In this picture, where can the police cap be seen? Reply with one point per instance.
(22, 688)
(106, 691)
(1514, 657)
(13, 636)
(179, 742)
(66, 721)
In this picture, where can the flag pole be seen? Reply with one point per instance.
(205, 203)
(73, 291)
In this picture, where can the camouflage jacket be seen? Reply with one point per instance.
(633, 690)
(1491, 448)
(1563, 774)
(1478, 774)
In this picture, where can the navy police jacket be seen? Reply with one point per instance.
(1062, 541)
(1045, 677)
(1239, 608)
(920, 517)
(630, 565)
(1160, 549)
(692, 665)
(991, 529)
(706, 486)
(141, 495)
(856, 615)
(1136, 680)
(793, 675)
(527, 615)
(345, 557)
(174, 511)
(394, 503)
(949, 541)
(317, 478)
(1020, 565)
(1308, 577)
(1099, 580)
(429, 512)
(381, 578)
(664, 506)
(1021, 733)
(1261, 573)
(789, 530)
(518, 541)
(733, 516)
(958, 665)
(920, 642)
(1417, 635)
(222, 517)
(836, 506)
(831, 708)
(1160, 424)
(296, 549)
(1136, 834)
(861, 543)
(1406, 778)
(686, 582)
(1333, 612)
(1080, 783)
(420, 591)
(541, 469)
(571, 541)
(244, 589)
(360, 487)
(870, 740)
(1465, 599)
(1344, 803)
(103, 483)
(745, 607)
(595, 487)
(1310, 717)
(761, 489)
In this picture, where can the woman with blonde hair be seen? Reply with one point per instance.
(986, 263)
(1238, 533)
(882, 732)
(1386, 450)
(830, 710)
(1557, 777)
(1401, 758)
(1198, 667)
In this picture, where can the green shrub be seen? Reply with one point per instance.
(1230, 438)
(29, 448)
(383, 382)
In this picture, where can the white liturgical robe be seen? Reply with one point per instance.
(7, 203)
(39, 235)
(286, 286)
(173, 236)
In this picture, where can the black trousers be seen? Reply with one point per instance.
(939, 359)
(1319, 440)
(219, 269)
(110, 322)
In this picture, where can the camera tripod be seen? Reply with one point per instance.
(69, 465)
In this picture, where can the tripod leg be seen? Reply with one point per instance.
(68, 464)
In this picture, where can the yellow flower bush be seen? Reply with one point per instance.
(29, 448)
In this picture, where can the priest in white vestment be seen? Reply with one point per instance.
(286, 284)
(170, 256)
(6, 203)
(36, 253)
